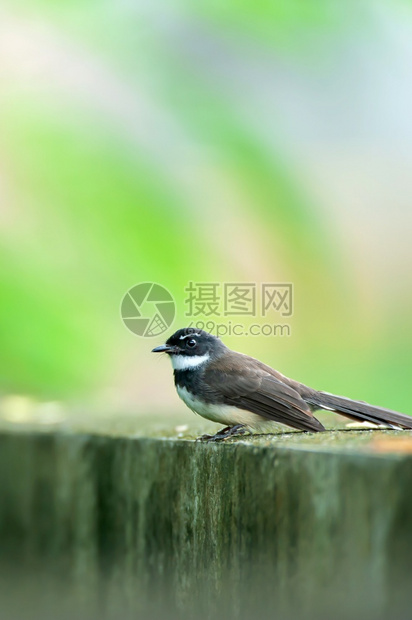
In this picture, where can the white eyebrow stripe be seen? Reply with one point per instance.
(188, 362)
(187, 336)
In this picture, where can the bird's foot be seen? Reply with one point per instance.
(225, 433)
(220, 433)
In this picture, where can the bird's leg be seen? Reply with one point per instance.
(225, 433)
(222, 431)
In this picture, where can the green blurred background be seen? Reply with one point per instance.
(207, 142)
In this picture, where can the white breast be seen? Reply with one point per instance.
(226, 414)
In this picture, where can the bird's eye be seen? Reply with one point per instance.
(191, 343)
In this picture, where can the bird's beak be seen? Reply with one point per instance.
(164, 348)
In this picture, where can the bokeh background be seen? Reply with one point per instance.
(208, 142)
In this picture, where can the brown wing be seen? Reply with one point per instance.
(248, 386)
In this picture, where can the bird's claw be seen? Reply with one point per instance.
(224, 434)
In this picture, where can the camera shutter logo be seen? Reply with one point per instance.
(148, 309)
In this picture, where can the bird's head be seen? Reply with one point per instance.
(189, 348)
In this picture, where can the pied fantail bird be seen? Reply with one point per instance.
(246, 395)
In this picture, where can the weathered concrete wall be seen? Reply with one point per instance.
(100, 526)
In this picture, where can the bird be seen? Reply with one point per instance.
(247, 396)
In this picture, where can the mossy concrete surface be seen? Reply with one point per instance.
(123, 524)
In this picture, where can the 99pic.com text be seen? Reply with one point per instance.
(240, 329)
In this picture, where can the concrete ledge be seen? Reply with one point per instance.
(110, 525)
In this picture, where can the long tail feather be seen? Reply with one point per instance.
(359, 410)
